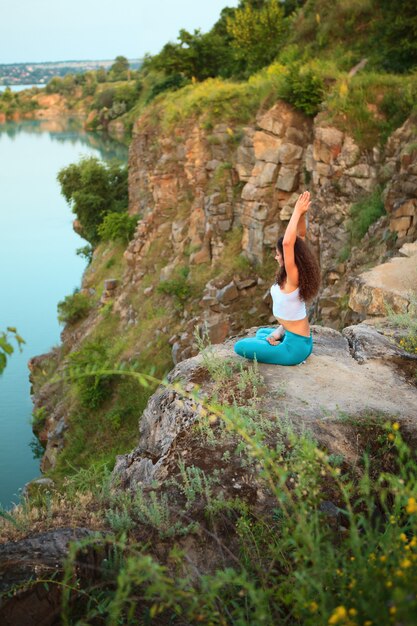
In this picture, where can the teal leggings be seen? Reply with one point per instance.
(292, 350)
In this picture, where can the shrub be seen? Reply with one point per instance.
(95, 389)
(303, 88)
(364, 213)
(39, 417)
(177, 287)
(171, 83)
(73, 308)
(86, 252)
(104, 98)
(118, 226)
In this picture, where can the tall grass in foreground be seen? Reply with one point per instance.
(288, 563)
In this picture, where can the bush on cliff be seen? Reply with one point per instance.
(73, 308)
(94, 189)
(117, 226)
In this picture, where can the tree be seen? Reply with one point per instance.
(94, 189)
(196, 55)
(257, 33)
(120, 69)
(394, 35)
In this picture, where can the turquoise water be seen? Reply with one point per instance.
(39, 267)
(21, 87)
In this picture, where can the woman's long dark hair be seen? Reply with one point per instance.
(308, 269)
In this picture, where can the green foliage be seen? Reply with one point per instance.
(196, 56)
(12, 103)
(304, 88)
(95, 388)
(86, 252)
(6, 348)
(177, 287)
(257, 33)
(39, 417)
(118, 226)
(74, 307)
(393, 36)
(119, 70)
(94, 189)
(362, 215)
(295, 562)
(118, 99)
(104, 98)
(370, 106)
(407, 321)
(171, 83)
(155, 511)
(65, 85)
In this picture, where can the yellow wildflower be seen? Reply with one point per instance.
(412, 505)
(383, 558)
(338, 615)
(403, 537)
(388, 584)
(405, 563)
(353, 612)
(396, 426)
(391, 437)
(392, 610)
(313, 607)
(368, 623)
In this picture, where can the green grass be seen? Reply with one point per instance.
(361, 216)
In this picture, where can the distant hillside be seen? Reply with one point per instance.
(41, 73)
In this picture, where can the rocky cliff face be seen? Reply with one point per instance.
(194, 187)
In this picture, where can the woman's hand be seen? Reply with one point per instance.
(275, 337)
(272, 340)
(303, 202)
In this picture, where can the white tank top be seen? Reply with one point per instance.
(287, 306)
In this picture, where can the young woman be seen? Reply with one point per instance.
(297, 280)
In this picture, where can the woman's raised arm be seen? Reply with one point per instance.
(297, 221)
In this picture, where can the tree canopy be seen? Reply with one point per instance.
(94, 189)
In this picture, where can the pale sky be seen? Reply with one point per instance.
(59, 30)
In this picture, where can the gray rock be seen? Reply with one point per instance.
(228, 293)
(336, 380)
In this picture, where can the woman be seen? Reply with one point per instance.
(297, 280)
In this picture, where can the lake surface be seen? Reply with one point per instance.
(39, 267)
(21, 87)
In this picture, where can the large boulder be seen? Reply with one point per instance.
(354, 373)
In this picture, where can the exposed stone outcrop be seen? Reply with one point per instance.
(194, 186)
(391, 283)
(350, 373)
(37, 556)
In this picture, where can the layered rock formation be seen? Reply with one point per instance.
(194, 187)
